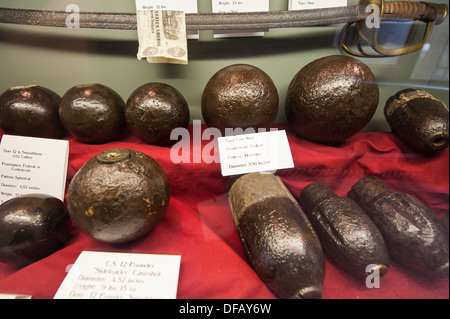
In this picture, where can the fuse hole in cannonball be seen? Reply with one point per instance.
(439, 141)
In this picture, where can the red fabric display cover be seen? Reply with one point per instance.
(198, 224)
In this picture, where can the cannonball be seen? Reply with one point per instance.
(118, 196)
(331, 99)
(154, 110)
(31, 111)
(240, 96)
(32, 227)
(93, 113)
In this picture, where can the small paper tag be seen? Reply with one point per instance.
(162, 36)
(30, 165)
(174, 5)
(315, 4)
(104, 275)
(250, 153)
(188, 6)
(220, 6)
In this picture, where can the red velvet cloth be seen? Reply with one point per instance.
(199, 227)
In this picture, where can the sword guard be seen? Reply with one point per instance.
(430, 13)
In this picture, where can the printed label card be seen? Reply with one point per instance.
(251, 153)
(188, 6)
(105, 275)
(315, 4)
(236, 6)
(32, 165)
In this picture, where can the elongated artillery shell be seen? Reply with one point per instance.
(415, 236)
(418, 119)
(347, 234)
(279, 241)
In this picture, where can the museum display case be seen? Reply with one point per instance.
(361, 107)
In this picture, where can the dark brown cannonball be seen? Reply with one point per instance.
(31, 111)
(331, 99)
(418, 119)
(154, 110)
(118, 196)
(32, 227)
(93, 113)
(240, 96)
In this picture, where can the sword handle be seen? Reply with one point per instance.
(423, 11)
(430, 13)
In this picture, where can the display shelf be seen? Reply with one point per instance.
(199, 226)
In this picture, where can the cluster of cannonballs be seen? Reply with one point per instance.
(327, 101)
(109, 206)
(94, 113)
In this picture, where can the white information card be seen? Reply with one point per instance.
(315, 4)
(188, 6)
(236, 6)
(223, 6)
(104, 275)
(250, 153)
(32, 165)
